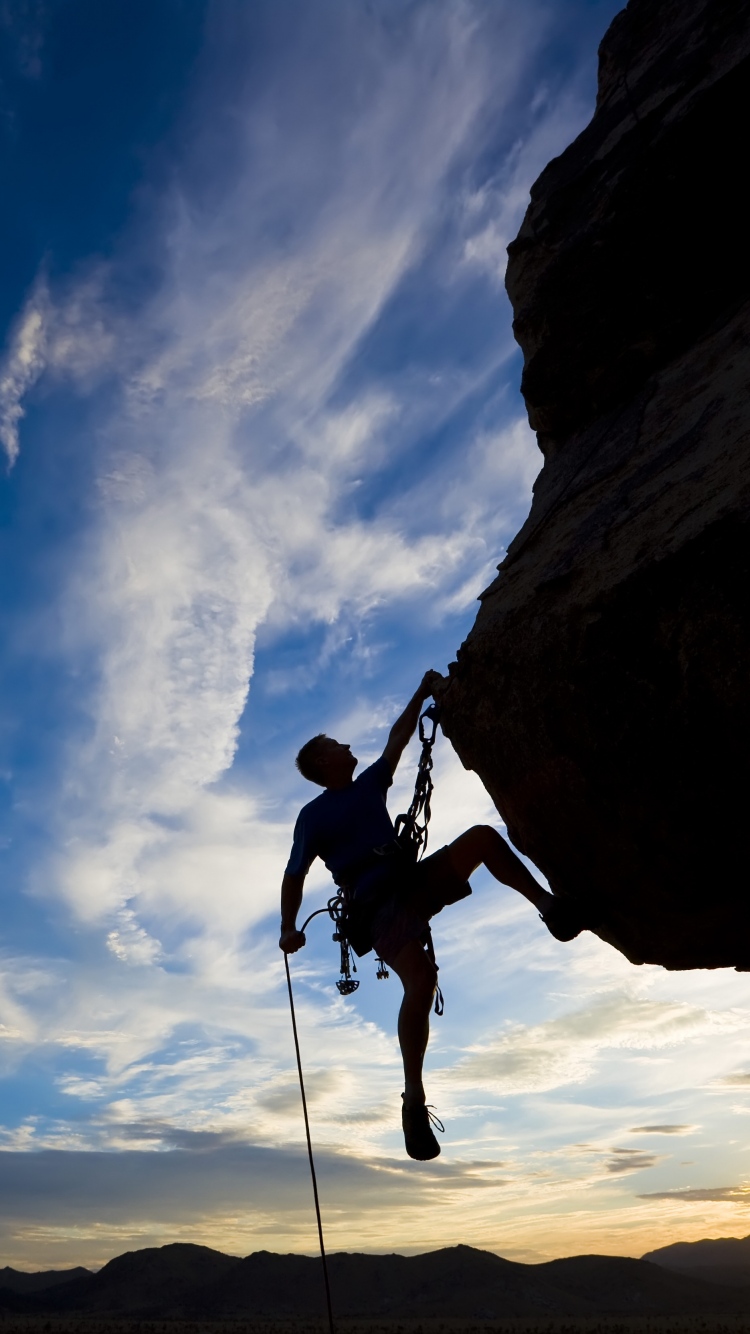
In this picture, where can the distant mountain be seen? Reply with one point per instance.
(159, 1278)
(194, 1282)
(458, 1282)
(724, 1260)
(17, 1281)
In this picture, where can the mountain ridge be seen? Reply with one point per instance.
(18, 1280)
(185, 1281)
(721, 1260)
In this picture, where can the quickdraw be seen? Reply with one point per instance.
(412, 829)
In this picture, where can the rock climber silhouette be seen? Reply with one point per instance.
(349, 828)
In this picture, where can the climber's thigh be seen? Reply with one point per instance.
(416, 970)
(423, 891)
(436, 884)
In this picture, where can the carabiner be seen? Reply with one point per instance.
(433, 713)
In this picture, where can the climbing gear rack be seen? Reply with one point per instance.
(412, 832)
(337, 911)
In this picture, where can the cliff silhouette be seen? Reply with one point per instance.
(602, 694)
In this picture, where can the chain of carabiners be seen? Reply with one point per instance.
(412, 829)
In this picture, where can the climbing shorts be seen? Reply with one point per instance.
(423, 890)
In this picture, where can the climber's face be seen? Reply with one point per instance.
(336, 763)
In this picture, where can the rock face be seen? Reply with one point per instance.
(602, 695)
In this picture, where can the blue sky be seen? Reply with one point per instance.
(263, 447)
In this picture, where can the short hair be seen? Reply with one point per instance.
(308, 759)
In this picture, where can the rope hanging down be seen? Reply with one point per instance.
(309, 1149)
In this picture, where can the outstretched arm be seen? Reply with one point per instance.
(291, 939)
(404, 727)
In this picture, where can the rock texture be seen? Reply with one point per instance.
(602, 695)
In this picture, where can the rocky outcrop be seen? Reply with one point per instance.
(602, 695)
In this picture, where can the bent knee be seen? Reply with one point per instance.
(483, 834)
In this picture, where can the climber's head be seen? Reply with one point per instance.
(326, 762)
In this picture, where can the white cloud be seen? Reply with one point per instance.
(564, 1050)
(130, 943)
(21, 366)
(494, 212)
(180, 584)
(72, 335)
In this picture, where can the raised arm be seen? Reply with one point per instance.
(291, 939)
(404, 727)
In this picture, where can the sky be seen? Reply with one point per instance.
(263, 446)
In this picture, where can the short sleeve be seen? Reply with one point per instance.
(302, 856)
(379, 774)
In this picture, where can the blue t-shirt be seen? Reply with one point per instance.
(342, 826)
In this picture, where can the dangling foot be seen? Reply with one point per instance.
(417, 1121)
(565, 919)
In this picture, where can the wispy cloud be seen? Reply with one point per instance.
(630, 1160)
(70, 334)
(715, 1194)
(227, 465)
(494, 211)
(22, 364)
(564, 1050)
(662, 1130)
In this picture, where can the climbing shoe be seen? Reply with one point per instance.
(565, 919)
(417, 1121)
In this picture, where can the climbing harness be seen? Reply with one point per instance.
(309, 1149)
(409, 846)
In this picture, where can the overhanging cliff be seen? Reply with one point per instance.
(602, 695)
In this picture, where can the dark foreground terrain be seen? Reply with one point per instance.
(457, 1287)
(577, 1325)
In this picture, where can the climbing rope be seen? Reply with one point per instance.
(309, 1149)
